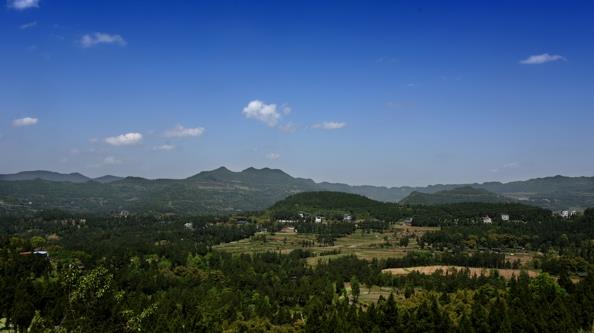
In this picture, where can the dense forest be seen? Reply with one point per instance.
(161, 273)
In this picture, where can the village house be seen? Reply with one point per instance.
(505, 217)
(318, 219)
(487, 220)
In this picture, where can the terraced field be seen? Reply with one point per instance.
(363, 245)
(505, 273)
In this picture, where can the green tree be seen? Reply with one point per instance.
(355, 288)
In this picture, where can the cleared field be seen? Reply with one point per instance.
(524, 257)
(363, 245)
(505, 273)
(414, 229)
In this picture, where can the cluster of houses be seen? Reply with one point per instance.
(316, 219)
(567, 213)
(74, 222)
(488, 220)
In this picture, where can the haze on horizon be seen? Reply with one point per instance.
(376, 93)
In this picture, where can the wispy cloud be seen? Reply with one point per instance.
(272, 156)
(511, 165)
(288, 127)
(542, 59)
(27, 121)
(90, 40)
(124, 139)
(286, 108)
(181, 132)
(386, 60)
(28, 25)
(266, 113)
(165, 147)
(22, 4)
(111, 160)
(329, 125)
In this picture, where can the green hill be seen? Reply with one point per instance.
(457, 195)
(325, 200)
(335, 205)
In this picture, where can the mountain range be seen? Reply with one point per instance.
(223, 191)
(74, 177)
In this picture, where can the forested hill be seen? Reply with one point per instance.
(223, 191)
(325, 200)
(335, 205)
(457, 195)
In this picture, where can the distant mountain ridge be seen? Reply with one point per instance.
(456, 195)
(74, 177)
(223, 191)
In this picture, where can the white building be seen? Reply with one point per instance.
(504, 217)
(189, 226)
(318, 219)
(347, 218)
(487, 220)
(564, 214)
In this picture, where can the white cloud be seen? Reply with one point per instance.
(124, 139)
(90, 40)
(180, 132)
(541, 59)
(27, 121)
(165, 147)
(273, 156)
(265, 113)
(329, 125)
(510, 165)
(22, 4)
(28, 25)
(111, 160)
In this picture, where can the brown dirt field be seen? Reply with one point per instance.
(505, 273)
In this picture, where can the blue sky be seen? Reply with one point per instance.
(362, 92)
